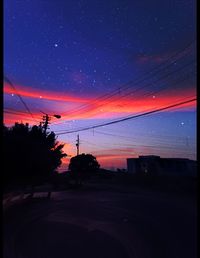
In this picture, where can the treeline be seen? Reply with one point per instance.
(31, 156)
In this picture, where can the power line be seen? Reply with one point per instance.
(136, 146)
(177, 82)
(149, 85)
(19, 96)
(59, 131)
(10, 110)
(17, 112)
(146, 95)
(150, 151)
(127, 85)
(150, 73)
(131, 117)
(86, 109)
(157, 137)
(136, 135)
(166, 143)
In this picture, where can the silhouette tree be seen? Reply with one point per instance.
(82, 166)
(30, 154)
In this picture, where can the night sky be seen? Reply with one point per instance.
(97, 61)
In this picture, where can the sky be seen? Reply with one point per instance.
(93, 62)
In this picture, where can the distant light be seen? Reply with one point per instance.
(12, 95)
(154, 97)
(40, 97)
(55, 45)
(182, 123)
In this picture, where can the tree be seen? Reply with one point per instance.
(30, 154)
(82, 166)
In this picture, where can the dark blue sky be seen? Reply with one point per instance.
(46, 41)
(85, 49)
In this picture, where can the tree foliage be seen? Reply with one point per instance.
(30, 154)
(82, 166)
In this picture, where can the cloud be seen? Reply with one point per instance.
(159, 58)
(74, 107)
(43, 94)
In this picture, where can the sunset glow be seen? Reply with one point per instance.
(93, 66)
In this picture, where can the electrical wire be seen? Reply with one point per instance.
(131, 117)
(19, 96)
(150, 73)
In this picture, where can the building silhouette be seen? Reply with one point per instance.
(157, 166)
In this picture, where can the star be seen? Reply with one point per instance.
(93, 83)
(55, 45)
(182, 123)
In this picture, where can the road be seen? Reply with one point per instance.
(102, 222)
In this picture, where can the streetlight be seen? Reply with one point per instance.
(57, 116)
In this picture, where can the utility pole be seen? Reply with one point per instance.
(77, 144)
(46, 120)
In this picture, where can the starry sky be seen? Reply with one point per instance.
(96, 61)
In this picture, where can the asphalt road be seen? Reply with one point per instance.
(97, 222)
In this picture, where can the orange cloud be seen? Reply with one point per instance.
(42, 94)
(119, 106)
(84, 108)
(158, 58)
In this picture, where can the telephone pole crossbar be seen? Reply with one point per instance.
(46, 120)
